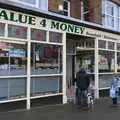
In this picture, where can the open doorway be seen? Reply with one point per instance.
(80, 51)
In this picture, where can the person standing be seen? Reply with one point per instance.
(114, 89)
(82, 83)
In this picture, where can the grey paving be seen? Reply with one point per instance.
(103, 111)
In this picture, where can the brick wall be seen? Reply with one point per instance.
(116, 1)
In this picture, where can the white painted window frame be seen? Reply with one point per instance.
(105, 3)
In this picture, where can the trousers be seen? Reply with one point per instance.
(81, 96)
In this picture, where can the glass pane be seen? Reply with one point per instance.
(38, 34)
(43, 4)
(13, 59)
(65, 6)
(17, 31)
(118, 61)
(105, 80)
(46, 59)
(106, 62)
(55, 37)
(46, 85)
(110, 9)
(28, 1)
(110, 21)
(102, 44)
(111, 45)
(12, 88)
(118, 46)
(85, 59)
(2, 29)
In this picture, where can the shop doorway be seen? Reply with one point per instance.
(80, 52)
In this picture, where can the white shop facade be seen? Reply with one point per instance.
(40, 56)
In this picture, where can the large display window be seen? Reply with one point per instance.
(106, 61)
(46, 59)
(13, 58)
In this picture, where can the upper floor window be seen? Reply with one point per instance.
(65, 8)
(42, 4)
(110, 14)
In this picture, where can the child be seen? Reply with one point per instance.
(114, 89)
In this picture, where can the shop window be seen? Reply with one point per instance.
(12, 88)
(17, 31)
(37, 34)
(55, 37)
(46, 85)
(118, 46)
(111, 45)
(106, 62)
(105, 80)
(102, 44)
(46, 59)
(2, 29)
(118, 61)
(13, 59)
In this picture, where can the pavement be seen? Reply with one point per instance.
(103, 111)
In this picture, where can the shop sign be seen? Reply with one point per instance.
(33, 20)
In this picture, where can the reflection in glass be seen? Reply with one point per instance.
(12, 88)
(102, 44)
(55, 37)
(13, 59)
(46, 59)
(17, 31)
(37, 34)
(2, 29)
(118, 61)
(111, 45)
(46, 85)
(118, 46)
(106, 61)
(105, 80)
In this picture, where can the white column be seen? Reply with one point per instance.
(64, 69)
(28, 69)
(96, 70)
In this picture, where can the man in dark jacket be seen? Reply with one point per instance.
(82, 82)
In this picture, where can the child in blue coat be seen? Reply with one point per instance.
(114, 89)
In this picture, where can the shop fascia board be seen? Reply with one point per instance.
(57, 16)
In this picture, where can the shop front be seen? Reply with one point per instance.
(39, 56)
